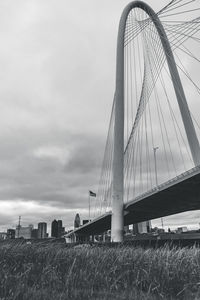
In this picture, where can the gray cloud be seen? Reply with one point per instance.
(57, 73)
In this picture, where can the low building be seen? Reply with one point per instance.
(10, 233)
(34, 233)
(181, 229)
(157, 230)
(24, 232)
(42, 230)
(85, 222)
(3, 235)
(142, 227)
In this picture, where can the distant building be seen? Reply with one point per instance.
(42, 230)
(24, 232)
(34, 233)
(85, 222)
(157, 230)
(77, 221)
(135, 228)
(181, 229)
(3, 235)
(142, 227)
(10, 233)
(160, 230)
(57, 230)
(148, 223)
(54, 229)
(61, 229)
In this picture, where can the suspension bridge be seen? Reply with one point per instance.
(151, 165)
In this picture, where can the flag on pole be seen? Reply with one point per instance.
(92, 194)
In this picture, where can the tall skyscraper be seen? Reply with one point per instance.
(77, 221)
(54, 229)
(59, 228)
(42, 230)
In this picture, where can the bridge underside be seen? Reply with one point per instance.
(180, 197)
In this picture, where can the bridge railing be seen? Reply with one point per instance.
(162, 186)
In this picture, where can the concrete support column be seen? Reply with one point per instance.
(117, 222)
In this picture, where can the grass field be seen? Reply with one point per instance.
(56, 271)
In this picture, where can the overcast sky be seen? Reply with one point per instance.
(57, 74)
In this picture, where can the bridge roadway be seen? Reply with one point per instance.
(177, 195)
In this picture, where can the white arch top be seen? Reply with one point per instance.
(118, 157)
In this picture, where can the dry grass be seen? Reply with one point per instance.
(55, 271)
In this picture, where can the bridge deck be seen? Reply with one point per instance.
(177, 195)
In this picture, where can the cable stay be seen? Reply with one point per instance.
(156, 147)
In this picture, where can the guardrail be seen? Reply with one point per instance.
(168, 183)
